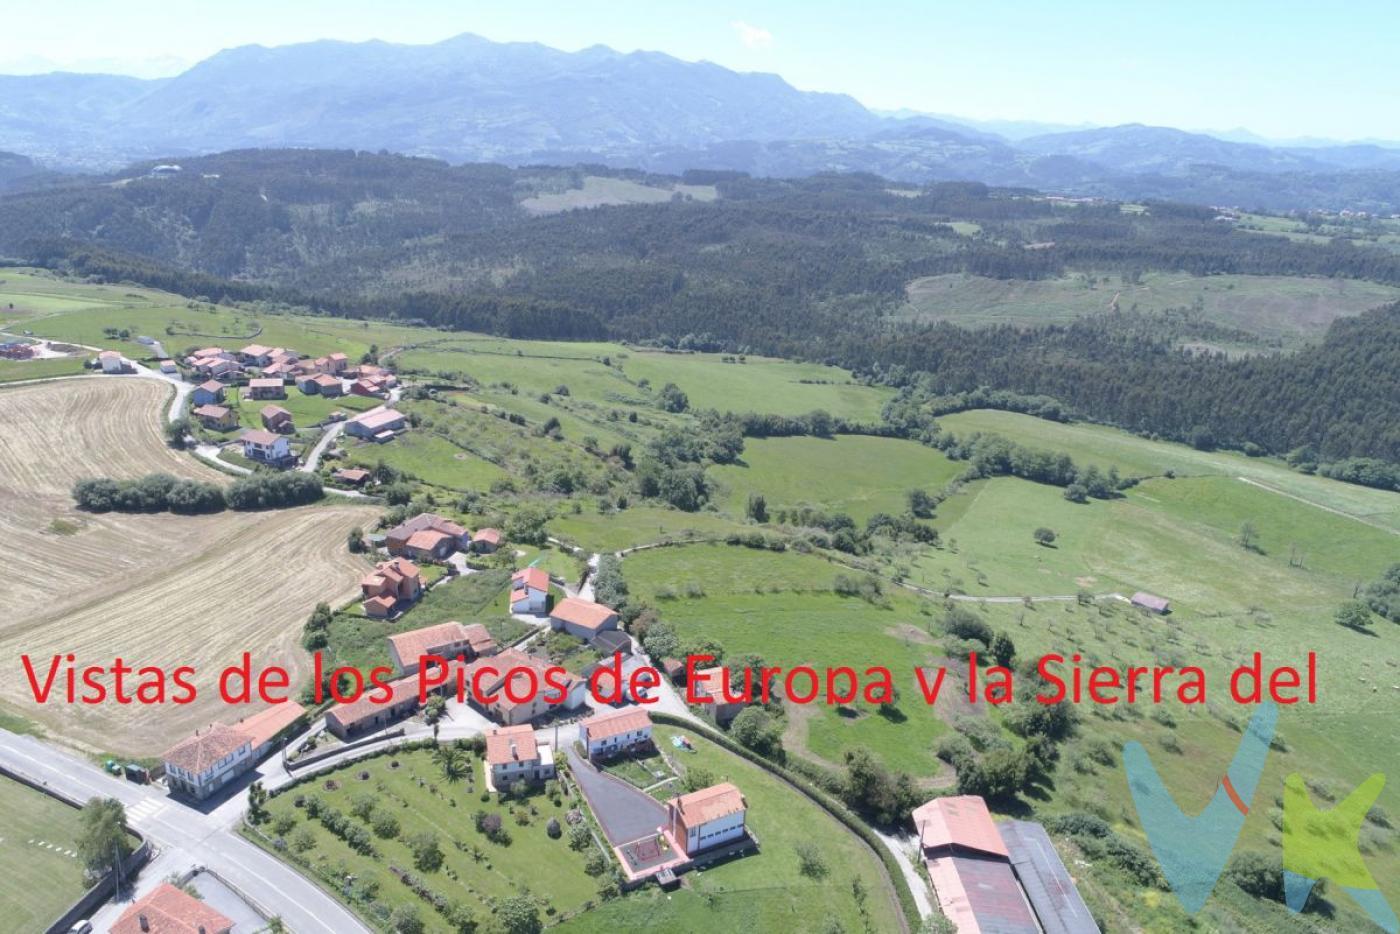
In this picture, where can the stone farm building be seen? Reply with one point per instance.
(709, 683)
(169, 910)
(514, 755)
(707, 818)
(529, 591)
(447, 640)
(206, 762)
(608, 734)
(362, 716)
(582, 618)
(486, 541)
(275, 418)
(525, 699)
(1152, 602)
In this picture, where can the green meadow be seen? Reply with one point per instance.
(41, 879)
(856, 474)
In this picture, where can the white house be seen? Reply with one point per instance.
(206, 762)
(513, 754)
(607, 734)
(266, 447)
(529, 590)
(707, 818)
(112, 361)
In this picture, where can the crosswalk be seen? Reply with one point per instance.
(145, 809)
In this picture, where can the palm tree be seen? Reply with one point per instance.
(451, 761)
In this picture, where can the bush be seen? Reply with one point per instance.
(553, 829)
(274, 490)
(155, 492)
(427, 854)
(385, 825)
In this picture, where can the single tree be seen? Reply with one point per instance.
(1247, 535)
(103, 841)
(758, 507)
(1044, 536)
(1354, 615)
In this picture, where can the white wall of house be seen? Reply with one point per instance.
(534, 602)
(217, 775)
(612, 744)
(714, 833)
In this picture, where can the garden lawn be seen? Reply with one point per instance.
(859, 475)
(765, 891)
(423, 801)
(39, 882)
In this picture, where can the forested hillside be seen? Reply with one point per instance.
(813, 268)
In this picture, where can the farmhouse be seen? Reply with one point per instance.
(358, 717)
(390, 583)
(215, 367)
(707, 818)
(529, 590)
(1152, 602)
(278, 370)
(112, 362)
(168, 367)
(447, 640)
(208, 392)
(582, 618)
(206, 762)
(378, 423)
(169, 910)
(267, 448)
(396, 539)
(529, 679)
(216, 417)
(326, 385)
(266, 389)
(337, 362)
(513, 755)
(256, 355)
(486, 541)
(277, 419)
(306, 382)
(355, 476)
(981, 885)
(709, 683)
(608, 734)
(430, 545)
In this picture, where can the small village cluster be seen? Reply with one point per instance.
(266, 373)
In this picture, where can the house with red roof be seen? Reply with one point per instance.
(216, 417)
(205, 762)
(397, 539)
(514, 755)
(267, 448)
(112, 361)
(378, 424)
(276, 419)
(448, 640)
(486, 541)
(529, 591)
(267, 388)
(391, 584)
(705, 819)
(582, 618)
(611, 733)
(354, 476)
(169, 910)
(207, 393)
(709, 683)
(529, 686)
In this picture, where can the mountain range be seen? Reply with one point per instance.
(468, 99)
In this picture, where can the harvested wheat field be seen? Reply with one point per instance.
(155, 589)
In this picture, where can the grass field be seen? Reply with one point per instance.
(765, 891)
(37, 834)
(156, 589)
(423, 801)
(429, 457)
(855, 474)
(1286, 308)
(1134, 456)
(15, 370)
(641, 525)
(598, 191)
(307, 411)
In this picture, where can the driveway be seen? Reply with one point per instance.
(625, 812)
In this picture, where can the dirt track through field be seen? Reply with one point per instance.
(155, 589)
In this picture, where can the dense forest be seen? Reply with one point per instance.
(811, 268)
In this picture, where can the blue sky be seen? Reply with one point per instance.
(1281, 69)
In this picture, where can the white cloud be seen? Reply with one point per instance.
(752, 36)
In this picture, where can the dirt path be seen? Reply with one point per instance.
(1316, 505)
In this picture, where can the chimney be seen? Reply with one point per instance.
(144, 922)
(513, 753)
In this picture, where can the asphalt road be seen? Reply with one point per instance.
(186, 837)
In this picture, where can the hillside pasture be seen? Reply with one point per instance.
(153, 589)
(856, 474)
(1281, 308)
(598, 191)
(1141, 457)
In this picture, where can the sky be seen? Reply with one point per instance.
(1282, 69)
